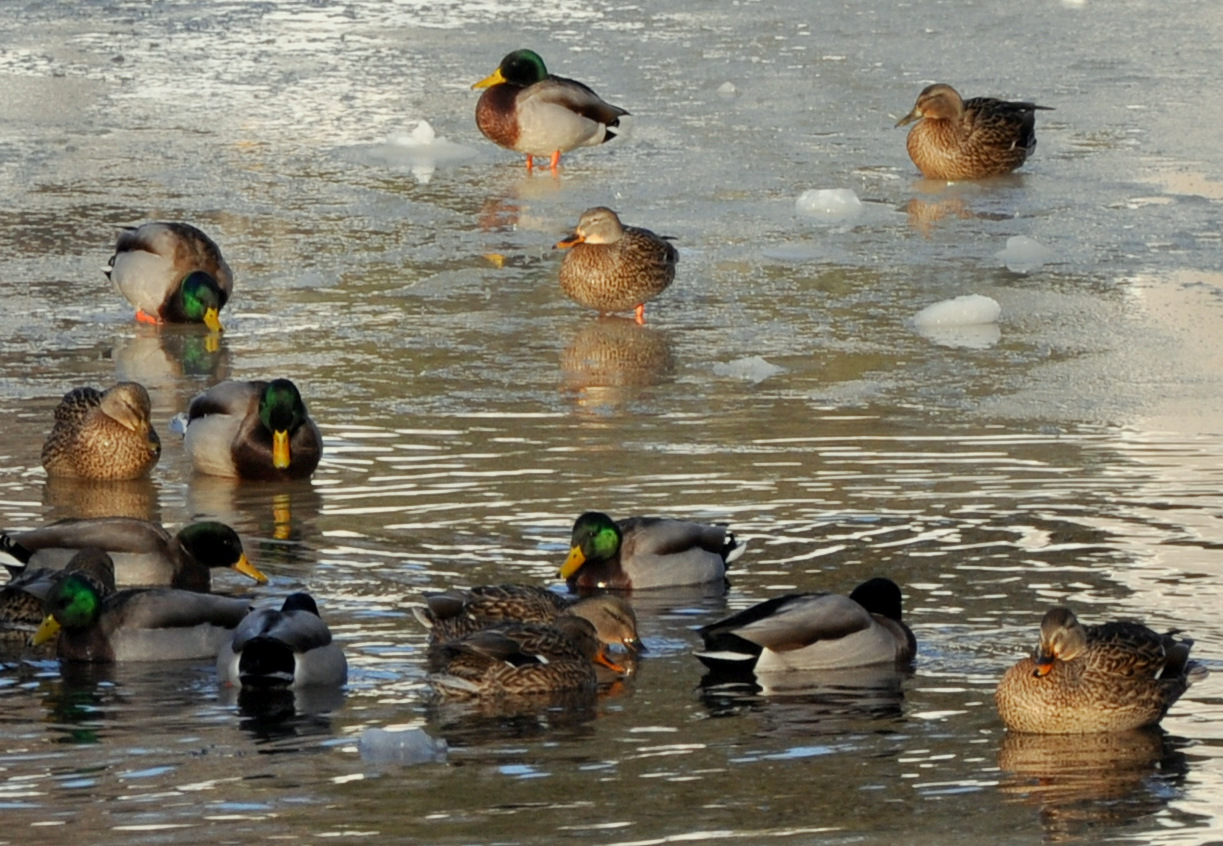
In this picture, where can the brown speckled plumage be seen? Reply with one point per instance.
(958, 139)
(102, 435)
(1111, 677)
(612, 267)
(457, 613)
(516, 659)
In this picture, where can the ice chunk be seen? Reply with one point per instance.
(754, 369)
(969, 310)
(727, 90)
(829, 203)
(420, 151)
(1023, 255)
(982, 336)
(409, 747)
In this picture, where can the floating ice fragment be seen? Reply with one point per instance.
(1022, 254)
(178, 423)
(413, 746)
(727, 90)
(968, 310)
(754, 369)
(829, 203)
(979, 337)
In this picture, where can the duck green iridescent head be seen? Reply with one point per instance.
(201, 299)
(282, 412)
(596, 537)
(521, 68)
(215, 544)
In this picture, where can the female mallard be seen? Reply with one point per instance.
(253, 430)
(612, 267)
(290, 647)
(529, 110)
(517, 658)
(646, 552)
(813, 631)
(23, 598)
(455, 613)
(969, 139)
(139, 624)
(144, 553)
(171, 273)
(102, 435)
(1111, 677)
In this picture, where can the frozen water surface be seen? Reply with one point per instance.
(471, 411)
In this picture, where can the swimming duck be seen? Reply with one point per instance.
(171, 273)
(612, 267)
(455, 613)
(813, 631)
(1111, 677)
(516, 659)
(968, 139)
(102, 435)
(138, 624)
(290, 647)
(646, 552)
(23, 598)
(144, 552)
(529, 110)
(252, 430)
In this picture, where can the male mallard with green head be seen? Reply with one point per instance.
(171, 273)
(527, 109)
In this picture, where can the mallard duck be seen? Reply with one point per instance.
(517, 658)
(253, 430)
(612, 267)
(102, 435)
(1111, 677)
(23, 598)
(813, 631)
(172, 273)
(138, 624)
(529, 110)
(646, 552)
(968, 139)
(289, 647)
(144, 552)
(455, 613)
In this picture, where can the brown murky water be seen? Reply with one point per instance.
(471, 412)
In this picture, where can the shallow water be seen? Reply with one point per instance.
(471, 411)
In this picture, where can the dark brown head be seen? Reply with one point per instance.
(936, 102)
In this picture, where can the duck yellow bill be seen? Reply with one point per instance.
(246, 568)
(48, 630)
(212, 319)
(280, 449)
(494, 78)
(571, 241)
(573, 563)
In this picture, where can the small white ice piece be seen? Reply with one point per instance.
(1023, 255)
(829, 203)
(968, 310)
(409, 747)
(969, 321)
(727, 90)
(754, 369)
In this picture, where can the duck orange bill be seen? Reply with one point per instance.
(246, 568)
(280, 449)
(573, 563)
(601, 658)
(1044, 663)
(212, 319)
(47, 631)
(572, 241)
(494, 78)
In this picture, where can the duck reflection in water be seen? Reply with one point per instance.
(611, 359)
(285, 511)
(84, 498)
(1086, 783)
(174, 362)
